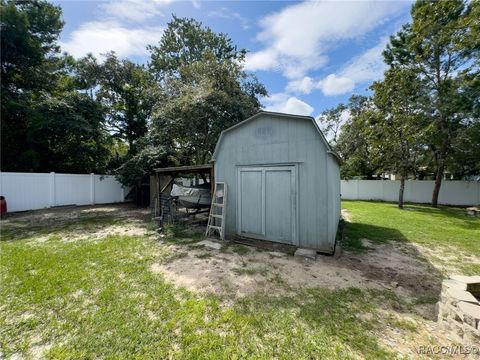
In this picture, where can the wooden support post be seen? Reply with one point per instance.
(212, 180)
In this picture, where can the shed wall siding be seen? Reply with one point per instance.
(333, 172)
(274, 141)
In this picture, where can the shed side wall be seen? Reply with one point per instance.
(334, 202)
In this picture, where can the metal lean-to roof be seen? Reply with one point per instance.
(204, 168)
(282, 115)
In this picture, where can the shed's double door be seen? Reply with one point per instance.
(267, 203)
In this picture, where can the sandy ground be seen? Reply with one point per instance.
(78, 222)
(231, 275)
(235, 270)
(397, 267)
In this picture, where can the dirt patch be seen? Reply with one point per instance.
(446, 259)
(38, 351)
(129, 229)
(346, 215)
(65, 215)
(227, 272)
(79, 223)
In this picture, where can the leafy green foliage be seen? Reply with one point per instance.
(127, 92)
(153, 154)
(331, 121)
(47, 125)
(29, 31)
(203, 89)
(397, 127)
(67, 134)
(423, 117)
(350, 138)
(185, 42)
(438, 47)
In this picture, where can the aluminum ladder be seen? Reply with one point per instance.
(216, 218)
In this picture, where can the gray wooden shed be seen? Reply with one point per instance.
(283, 181)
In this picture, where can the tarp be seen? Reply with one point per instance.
(178, 190)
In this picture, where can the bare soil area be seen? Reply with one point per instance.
(239, 270)
(79, 222)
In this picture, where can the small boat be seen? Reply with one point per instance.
(192, 197)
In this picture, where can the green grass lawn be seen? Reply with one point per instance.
(445, 230)
(98, 298)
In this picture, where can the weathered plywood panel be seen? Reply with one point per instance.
(278, 209)
(251, 202)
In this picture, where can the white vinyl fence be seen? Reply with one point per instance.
(416, 191)
(30, 191)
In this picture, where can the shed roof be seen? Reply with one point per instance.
(280, 115)
(204, 168)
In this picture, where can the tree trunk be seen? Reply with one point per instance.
(438, 183)
(400, 193)
(440, 170)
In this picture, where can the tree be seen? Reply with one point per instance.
(127, 92)
(47, 124)
(29, 59)
(88, 73)
(67, 134)
(351, 141)
(396, 127)
(185, 42)
(153, 153)
(465, 158)
(439, 47)
(331, 122)
(203, 88)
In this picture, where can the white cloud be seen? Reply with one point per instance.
(336, 85)
(366, 67)
(297, 106)
(298, 37)
(225, 13)
(196, 4)
(261, 60)
(99, 37)
(284, 103)
(305, 85)
(134, 10)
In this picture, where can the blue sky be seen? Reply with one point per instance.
(311, 56)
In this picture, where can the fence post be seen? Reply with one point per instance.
(92, 188)
(52, 189)
(358, 190)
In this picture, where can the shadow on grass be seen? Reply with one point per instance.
(334, 316)
(354, 232)
(404, 267)
(447, 211)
